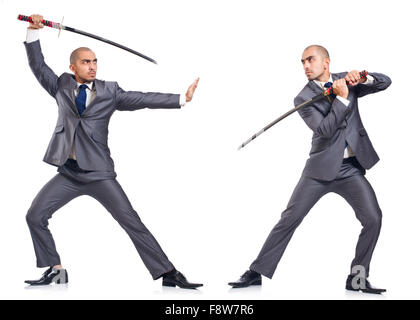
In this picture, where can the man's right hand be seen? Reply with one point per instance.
(37, 22)
(340, 88)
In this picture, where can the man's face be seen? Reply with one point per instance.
(314, 65)
(84, 68)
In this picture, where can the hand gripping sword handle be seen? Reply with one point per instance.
(329, 91)
(47, 23)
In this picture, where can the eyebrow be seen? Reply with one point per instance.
(88, 60)
(307, 58)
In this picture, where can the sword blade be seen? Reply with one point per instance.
(288, 113)
(93, 36)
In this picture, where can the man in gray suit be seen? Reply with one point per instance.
(79, 149)
(341, 152)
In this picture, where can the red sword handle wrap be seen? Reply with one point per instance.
(329, 91)
(47, 23)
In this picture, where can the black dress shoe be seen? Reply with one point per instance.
(176, 278)
(249, 278)
(58, 276)
(367, 288)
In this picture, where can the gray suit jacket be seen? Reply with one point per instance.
(89, 132)
(334, 124)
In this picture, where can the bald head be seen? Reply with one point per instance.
(316, 62)
(320, 49)
(76, 53)
(83, 64)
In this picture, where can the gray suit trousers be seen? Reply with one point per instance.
(61, 189)
(354, 188)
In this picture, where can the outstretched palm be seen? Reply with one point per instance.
(191, 89)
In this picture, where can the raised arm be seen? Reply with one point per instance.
(45, 76)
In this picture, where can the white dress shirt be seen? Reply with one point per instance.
(369, 79)
(32, 35)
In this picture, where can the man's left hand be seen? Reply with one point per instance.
(353, 78)
(190, 91)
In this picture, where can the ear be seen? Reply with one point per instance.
(326, 63)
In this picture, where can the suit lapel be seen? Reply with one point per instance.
(69, 86)
(98, 87)
(314, 87)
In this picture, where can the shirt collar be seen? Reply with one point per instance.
(89, 85)
(321, 84)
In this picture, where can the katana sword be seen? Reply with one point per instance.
(325, 94)
(59, 26)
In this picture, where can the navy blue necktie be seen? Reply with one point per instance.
(81, 99)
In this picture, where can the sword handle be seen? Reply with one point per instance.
(329, 91)
(47, 23)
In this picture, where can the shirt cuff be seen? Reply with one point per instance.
(182, 100)
(369, 80)
(32, 35)
(344, 101)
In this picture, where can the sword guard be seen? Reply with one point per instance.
(60, 27)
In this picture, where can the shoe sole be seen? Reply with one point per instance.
(237, 286)
(365, 291)
(173, 285)
(45, 284)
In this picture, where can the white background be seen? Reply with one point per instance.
(210, 206)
